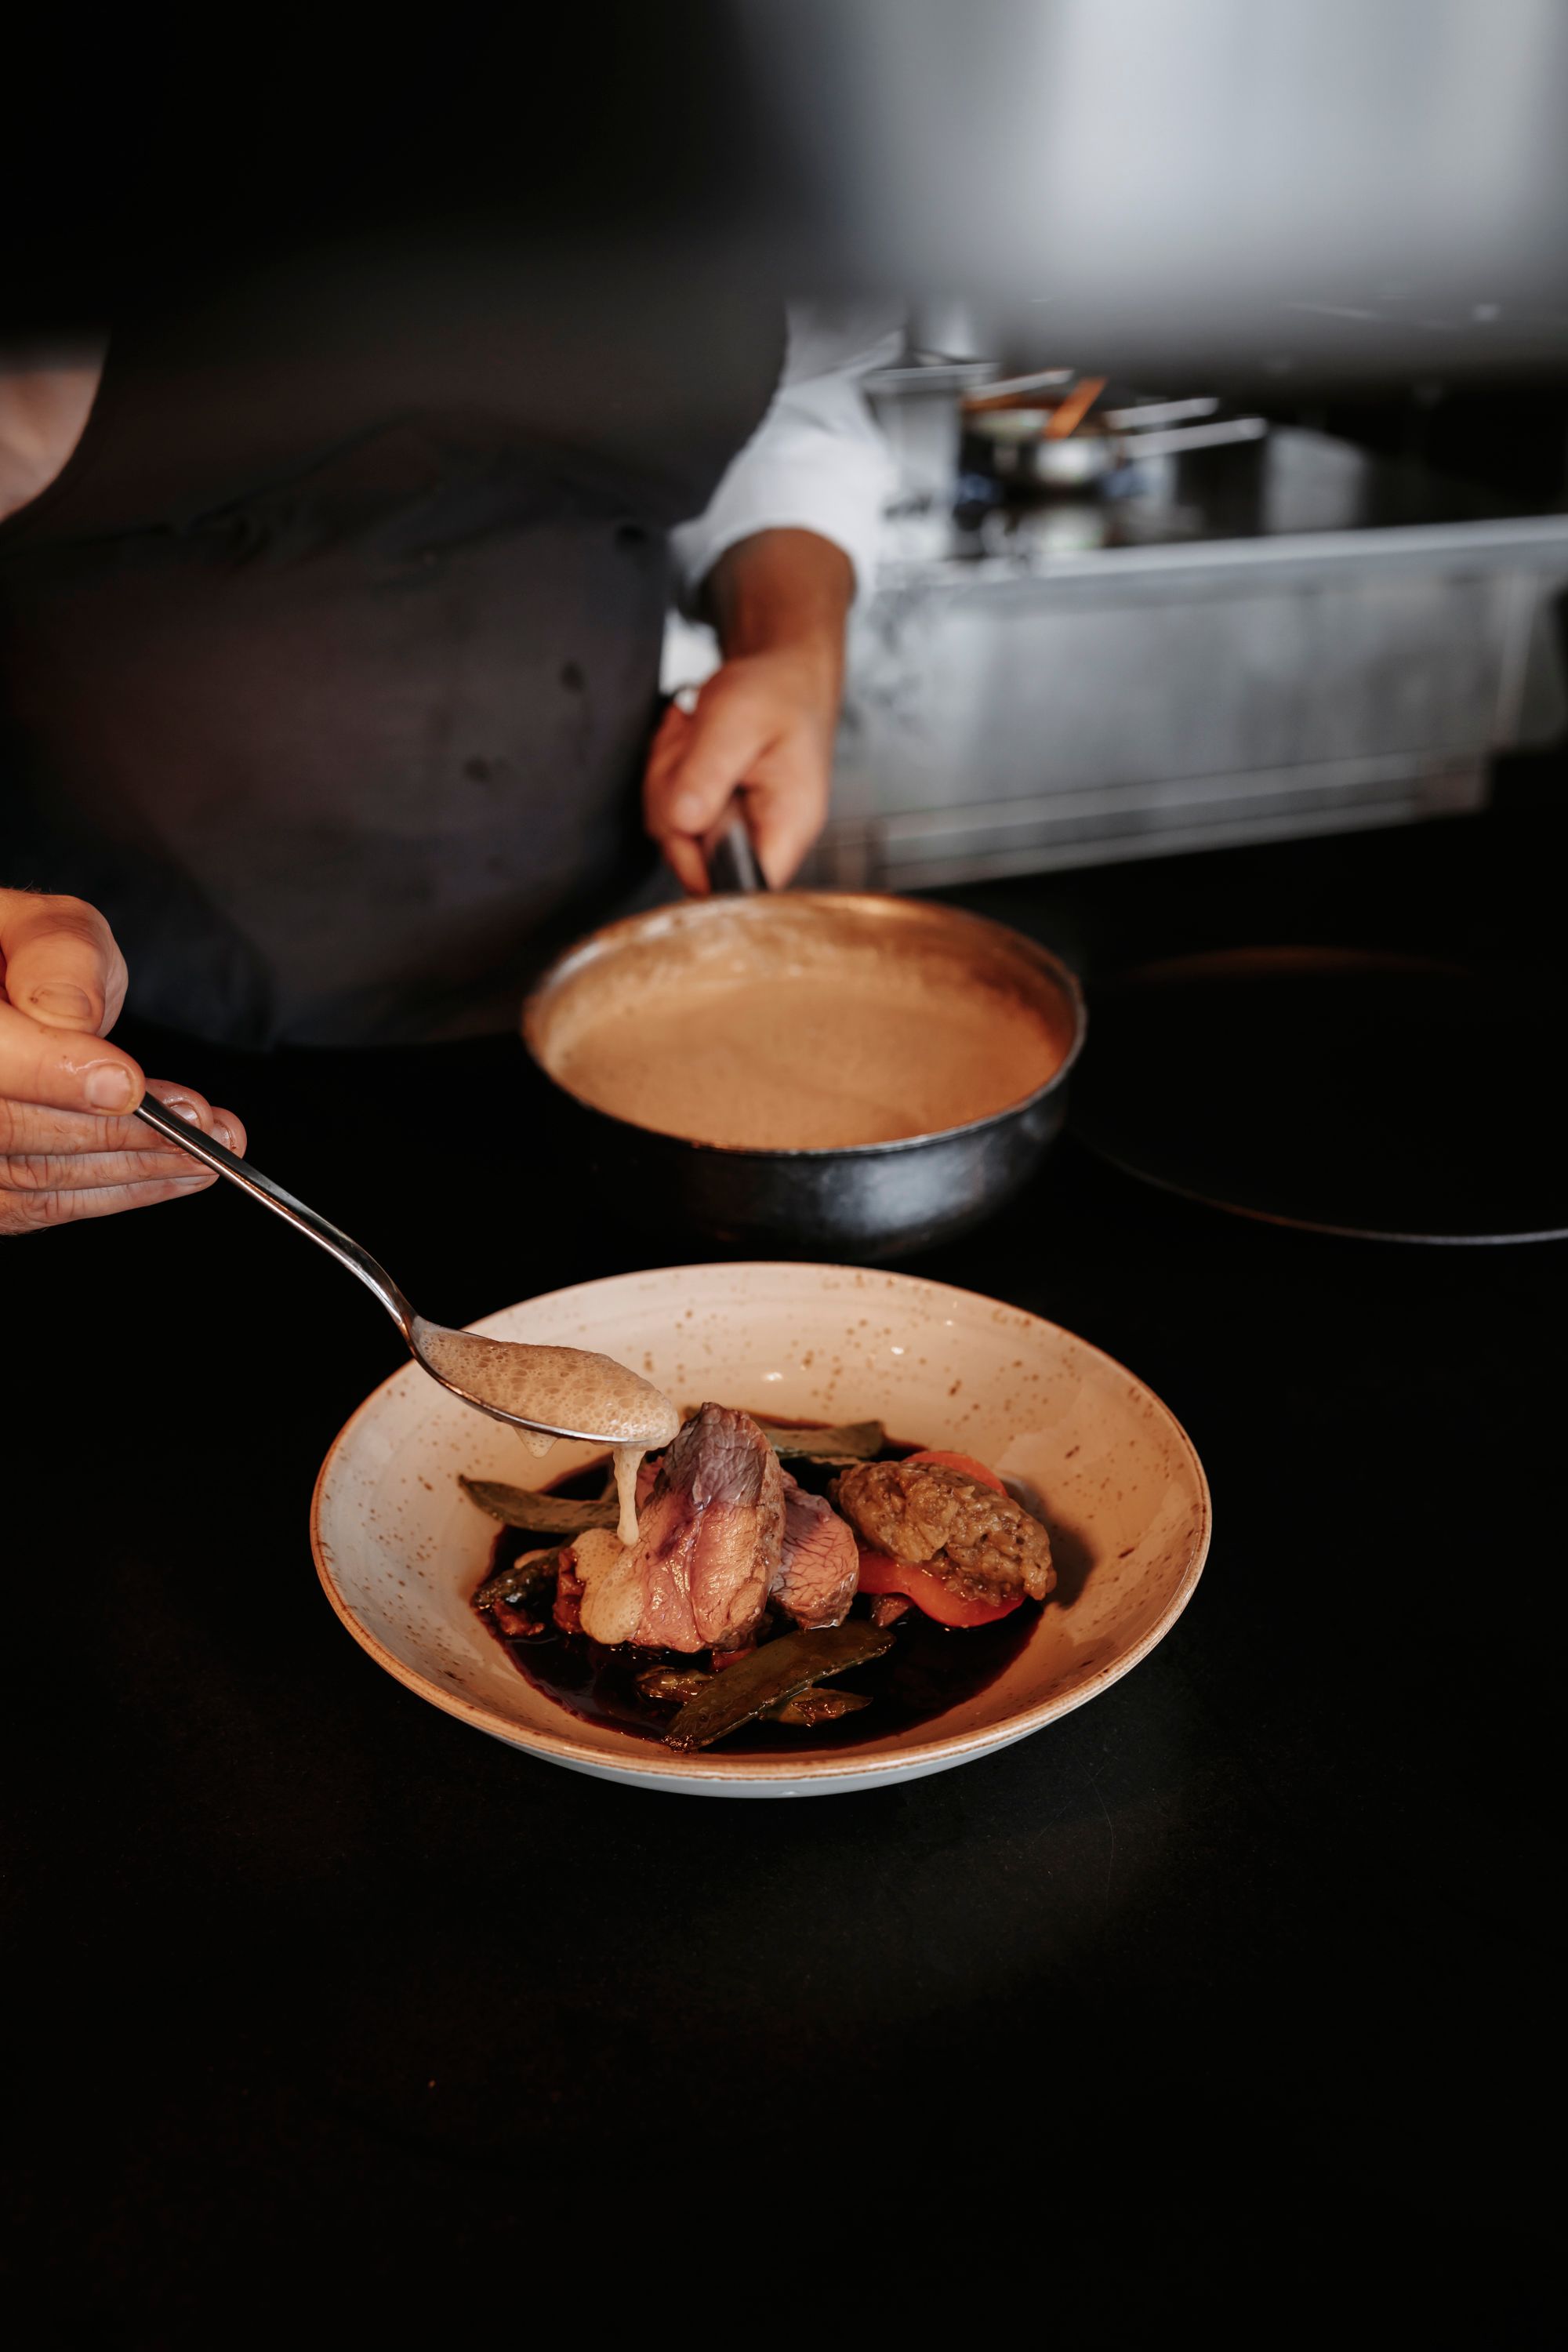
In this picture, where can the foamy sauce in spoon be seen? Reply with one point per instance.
(567, 1387)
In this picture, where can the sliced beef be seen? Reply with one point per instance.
(712, 1539)
(821, 1563)
(982, 1545)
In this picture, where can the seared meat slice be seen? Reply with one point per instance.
(821, 1564)
(982, 1545)
(712, 1539)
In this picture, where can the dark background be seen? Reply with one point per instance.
(168, 148)
(1226, 1996)
(170, 153)
(1224, 2002)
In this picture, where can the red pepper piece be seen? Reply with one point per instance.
(928, 1593)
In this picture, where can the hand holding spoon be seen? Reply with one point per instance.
(547, 1392)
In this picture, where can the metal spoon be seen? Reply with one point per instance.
(550, 1392)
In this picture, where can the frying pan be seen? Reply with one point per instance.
(865, 1202)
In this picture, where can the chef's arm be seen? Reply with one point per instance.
(762, 726)
(774, 563)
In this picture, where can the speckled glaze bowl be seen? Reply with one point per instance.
(399, 1547)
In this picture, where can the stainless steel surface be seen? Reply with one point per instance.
(1222, 433)
(415, 1328)
(1263, 643)
(916, 405)
(1009, 387)
(866, 1201)
(1144, 412)
(1300, 190)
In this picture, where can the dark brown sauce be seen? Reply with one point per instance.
(929, 1669)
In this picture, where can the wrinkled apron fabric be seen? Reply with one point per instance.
(327, 665)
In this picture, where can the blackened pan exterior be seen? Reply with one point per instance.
(867, 1205)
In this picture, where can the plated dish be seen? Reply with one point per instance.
(772, 1559)
(1113, 1529)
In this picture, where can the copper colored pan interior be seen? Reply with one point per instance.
(809, 1020)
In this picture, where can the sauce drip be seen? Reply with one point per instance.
(627, 1459)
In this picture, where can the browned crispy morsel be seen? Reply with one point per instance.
(569, 1589)
(982, 1545)
(674, 1683)
(809, 1708)
(514, 1624)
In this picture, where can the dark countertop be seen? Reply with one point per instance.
(1239, 1972)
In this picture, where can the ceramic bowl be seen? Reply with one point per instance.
(399, 1546)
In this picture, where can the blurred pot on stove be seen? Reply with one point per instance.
(1014, 447)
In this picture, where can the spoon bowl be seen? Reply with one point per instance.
(591, 1396)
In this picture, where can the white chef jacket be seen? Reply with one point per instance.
(817, 461)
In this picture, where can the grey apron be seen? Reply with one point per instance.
(327, 665)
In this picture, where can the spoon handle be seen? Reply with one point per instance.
(283, 1205)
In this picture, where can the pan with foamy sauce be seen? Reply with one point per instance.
(814, 1071)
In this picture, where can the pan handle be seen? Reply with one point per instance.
(732, 862)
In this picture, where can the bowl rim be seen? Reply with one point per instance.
(1061, 975)
(640, 1758)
